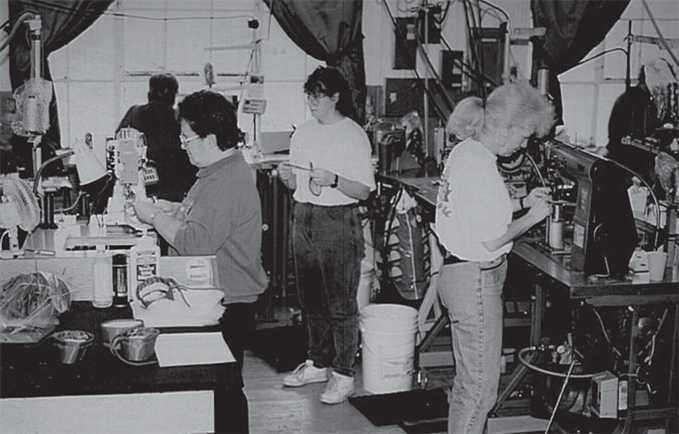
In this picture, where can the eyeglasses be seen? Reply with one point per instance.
(186, 140)
(315, 98)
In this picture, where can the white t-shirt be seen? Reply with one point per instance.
(473, 204)
(342, 148)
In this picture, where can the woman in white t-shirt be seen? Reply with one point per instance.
(474, 224)
(330, 170)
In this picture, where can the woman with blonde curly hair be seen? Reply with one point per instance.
(474, 223)
(466, 120)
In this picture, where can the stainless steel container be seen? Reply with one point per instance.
(113, 328)
(71, 345)
(136, 345)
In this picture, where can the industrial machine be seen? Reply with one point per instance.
(604, 233)
(126, 159)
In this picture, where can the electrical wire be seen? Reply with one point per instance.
(653, 196)
(603, 329)
(23, 17)
(502, 11)
(522, 359)
(558, 401)
(38, 174)
(657, 29)
(400, 34)
(582, 62)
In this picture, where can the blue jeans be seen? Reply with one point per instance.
(472, 293)
(328, 247)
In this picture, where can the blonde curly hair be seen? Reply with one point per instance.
(518, 106)
(467, 118)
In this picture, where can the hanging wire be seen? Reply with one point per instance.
(558, 401)
(417, 74)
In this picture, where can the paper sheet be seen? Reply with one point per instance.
(181, 349)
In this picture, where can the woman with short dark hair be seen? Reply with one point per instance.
(221, 215)
(330, 171)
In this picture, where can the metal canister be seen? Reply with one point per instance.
(120, 286)
(555, 229)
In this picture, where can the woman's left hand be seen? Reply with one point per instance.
(146, 211)
(322, 177)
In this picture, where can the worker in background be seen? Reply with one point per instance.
(330, 171)
(221, 215)
(157, 120)
(640, 113)
(474, 223)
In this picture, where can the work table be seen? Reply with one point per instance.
(29, 374)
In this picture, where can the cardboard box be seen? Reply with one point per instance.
(605, 395)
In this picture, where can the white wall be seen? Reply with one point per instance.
(590, 90)
(106, 69)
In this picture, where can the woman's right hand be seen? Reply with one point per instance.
(540, 210)
(285, 172)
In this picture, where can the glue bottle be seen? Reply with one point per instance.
(103, 279)
(144, 260)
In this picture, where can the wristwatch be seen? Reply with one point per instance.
(335, 182)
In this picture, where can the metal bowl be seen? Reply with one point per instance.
(136, 345)
(111, 329)
(71, 345)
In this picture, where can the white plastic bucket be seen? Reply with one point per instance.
(388, 337)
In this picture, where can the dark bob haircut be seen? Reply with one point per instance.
(329, 81)
(209, 112)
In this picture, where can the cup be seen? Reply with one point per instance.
(656, 265)
(72, 344)
(136, 345)
(111, 329)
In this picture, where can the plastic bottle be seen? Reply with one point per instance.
(103, 279)
(144, 261)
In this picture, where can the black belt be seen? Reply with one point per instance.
(451, 259)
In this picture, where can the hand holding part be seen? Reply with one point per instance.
(166, 205)
(146, 211)
(323, 177)
(537, 194)
(539, 210)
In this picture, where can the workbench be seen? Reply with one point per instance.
(548, 273)
(539, 273)
(102, 394)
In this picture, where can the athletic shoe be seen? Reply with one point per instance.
(304, 374)
(338, 389)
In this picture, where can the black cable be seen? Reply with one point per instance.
(470, 70)
(599, 55)
(437, 77)
(495, 7)
(473, 48)
(403, 38)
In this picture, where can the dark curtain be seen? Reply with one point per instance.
(62, 21)
(330, 31)
(574, 27)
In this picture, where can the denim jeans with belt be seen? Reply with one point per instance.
(472, 293)
(328, 247)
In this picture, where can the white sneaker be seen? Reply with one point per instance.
(304, 374)
(338, 389)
